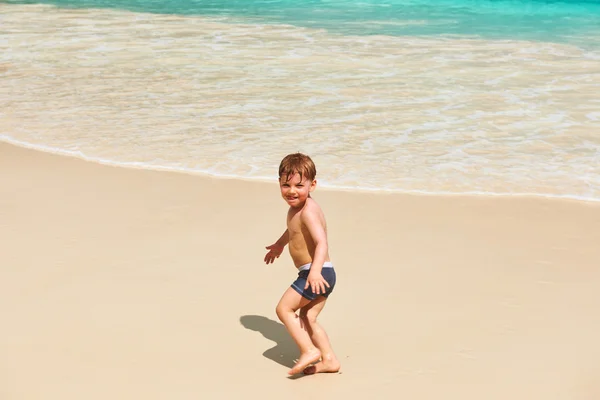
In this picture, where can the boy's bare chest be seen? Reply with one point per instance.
(296, 228)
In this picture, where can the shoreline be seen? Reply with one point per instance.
(76, 155)
(129, 283)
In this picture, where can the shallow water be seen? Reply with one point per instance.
(380, 103)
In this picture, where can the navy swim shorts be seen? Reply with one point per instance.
(328, 274)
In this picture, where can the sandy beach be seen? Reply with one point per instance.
(120, 283)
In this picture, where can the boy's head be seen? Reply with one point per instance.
(297, 163)
(297, 179)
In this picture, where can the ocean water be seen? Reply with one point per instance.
(490, 97)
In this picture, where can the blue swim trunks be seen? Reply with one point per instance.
(328, 274)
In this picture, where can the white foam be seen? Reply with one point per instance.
(322, 183)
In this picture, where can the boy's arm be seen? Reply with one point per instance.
(317, 232)
(276, 248)
(284, 239)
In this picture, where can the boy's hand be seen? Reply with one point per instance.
(275, 251)
(317, 283)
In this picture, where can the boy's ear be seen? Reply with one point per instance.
(313, 185)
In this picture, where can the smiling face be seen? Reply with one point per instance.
(296, 189)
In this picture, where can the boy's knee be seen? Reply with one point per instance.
(280, 311)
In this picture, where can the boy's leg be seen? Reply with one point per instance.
(290, 302)
(308, 316)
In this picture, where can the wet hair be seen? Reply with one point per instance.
(297, 163)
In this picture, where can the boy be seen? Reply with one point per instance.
(306, 235)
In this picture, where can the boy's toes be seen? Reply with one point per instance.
(305, 360)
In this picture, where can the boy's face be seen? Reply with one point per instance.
(295, 191)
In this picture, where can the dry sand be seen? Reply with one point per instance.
(131, 284)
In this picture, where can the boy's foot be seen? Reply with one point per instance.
(323, 367)
(305, 360)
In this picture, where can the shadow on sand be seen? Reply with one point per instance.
(285, 351)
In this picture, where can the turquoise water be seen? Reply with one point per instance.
(563, 21)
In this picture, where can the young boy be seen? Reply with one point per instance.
(306, 235)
